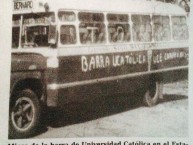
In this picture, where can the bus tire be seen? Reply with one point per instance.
(152, 93)
(25, 112)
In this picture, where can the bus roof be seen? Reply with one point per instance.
(113, 6)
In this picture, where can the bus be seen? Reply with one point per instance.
(68, 51)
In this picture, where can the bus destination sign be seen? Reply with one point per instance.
(23, 5)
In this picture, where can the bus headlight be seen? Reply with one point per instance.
(52, 62)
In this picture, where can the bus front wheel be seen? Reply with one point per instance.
(153, 93)
(24, 115)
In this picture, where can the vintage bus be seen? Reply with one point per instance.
(65, 51)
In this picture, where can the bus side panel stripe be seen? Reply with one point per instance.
(87, 82)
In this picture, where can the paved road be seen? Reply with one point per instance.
(119, 116)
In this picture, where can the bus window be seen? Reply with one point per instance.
(35, 36)
(161, 28)
(92, 28)
(118, 28)
(142, 29)
(35, 29)
(67, 34)
(93, 17)
(65, 16)
(15, 31)
(15, 37)
(180, 28)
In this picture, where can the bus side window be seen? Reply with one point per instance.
(35, 30)
(66, 16)
(161, 28)
(15, 31)
(118, 28)
(67, 34)
(112, 33)
(142, 29)
(180, 28)
(15, 37)
(91, 28)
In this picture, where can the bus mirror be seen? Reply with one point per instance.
(52, 34)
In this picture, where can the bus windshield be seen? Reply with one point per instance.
(35, 30)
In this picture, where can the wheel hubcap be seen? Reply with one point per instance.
(22, 113)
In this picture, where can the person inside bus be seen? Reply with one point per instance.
(120, 36)
(72, 35)
(83, 35)
(136, 32)
(142, 33)
(86, 37)
(185, 32)
(68, 34)
(175, 32)
(179, 28)
(41, 40)
(95, 35)
(166, 32)
(113, 35)
(148, 32)
(89, 37)
(182, 32)
(158, 32)
(30, 40)
(127, 35)
(184, 29)
(101, 36)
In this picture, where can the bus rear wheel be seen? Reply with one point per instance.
(24, 115)
(152, 93)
